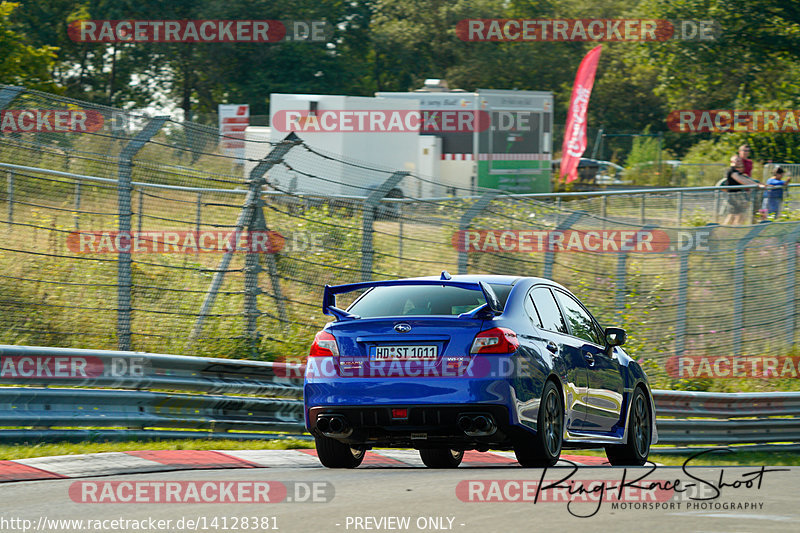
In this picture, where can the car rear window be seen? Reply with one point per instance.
(422, 300)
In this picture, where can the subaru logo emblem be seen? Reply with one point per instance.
(402, 327)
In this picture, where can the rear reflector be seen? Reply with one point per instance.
(495, 340)
(399, 413)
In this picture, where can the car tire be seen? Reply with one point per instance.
(335, 454)
(635, 451)
(544, 448)
(441, 457)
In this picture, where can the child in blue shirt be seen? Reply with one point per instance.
(773, 195)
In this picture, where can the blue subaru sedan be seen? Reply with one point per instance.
(477, 362)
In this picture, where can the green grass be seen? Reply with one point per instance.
(60, 448)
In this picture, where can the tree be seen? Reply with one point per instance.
(20, 62)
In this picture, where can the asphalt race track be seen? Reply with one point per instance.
(288, 491)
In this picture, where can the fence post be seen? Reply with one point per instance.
(77, 203)
(8, 94)
(791, 266)
(738, 286)
(680, 207)
(246, 218)
(641, 214)
(622, 270)
(549, 255)
(124, 190)
(400, 235)
(198, 218)
(716, 205)
(683, 298)
(140, 214)
(10, 186)
(463, 225)
(368, 219)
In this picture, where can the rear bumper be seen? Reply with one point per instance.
(426, 426)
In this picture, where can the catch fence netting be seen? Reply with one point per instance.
(81, 182)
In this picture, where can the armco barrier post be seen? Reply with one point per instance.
(368, 219)
(248, 215)
(124, 190)
(466, 220)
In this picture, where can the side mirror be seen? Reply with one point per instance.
(615, 336)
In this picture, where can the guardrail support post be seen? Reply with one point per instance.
(247, 217)
(368, 220)
(465, 221)
(549, 255)
(738, 286)
(124, 190)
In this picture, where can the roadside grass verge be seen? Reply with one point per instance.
(26, 451)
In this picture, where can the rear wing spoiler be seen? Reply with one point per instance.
(329, 295)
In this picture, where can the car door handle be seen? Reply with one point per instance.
(553, 347)
(589, 357)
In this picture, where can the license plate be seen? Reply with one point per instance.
(404, 353)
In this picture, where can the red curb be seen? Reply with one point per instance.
(586, 460)
(13, 471)
(473, 458)
(371, 459)
(194, 459)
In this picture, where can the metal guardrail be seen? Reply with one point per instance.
(126, 390)
(721, 419)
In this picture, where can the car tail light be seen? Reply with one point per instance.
(495, 340)
(399, 413)
(324, 345)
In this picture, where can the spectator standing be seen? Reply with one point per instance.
(747, 164)
(739, 200)
(773, 195)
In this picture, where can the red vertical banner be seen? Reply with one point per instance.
(575, 133)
